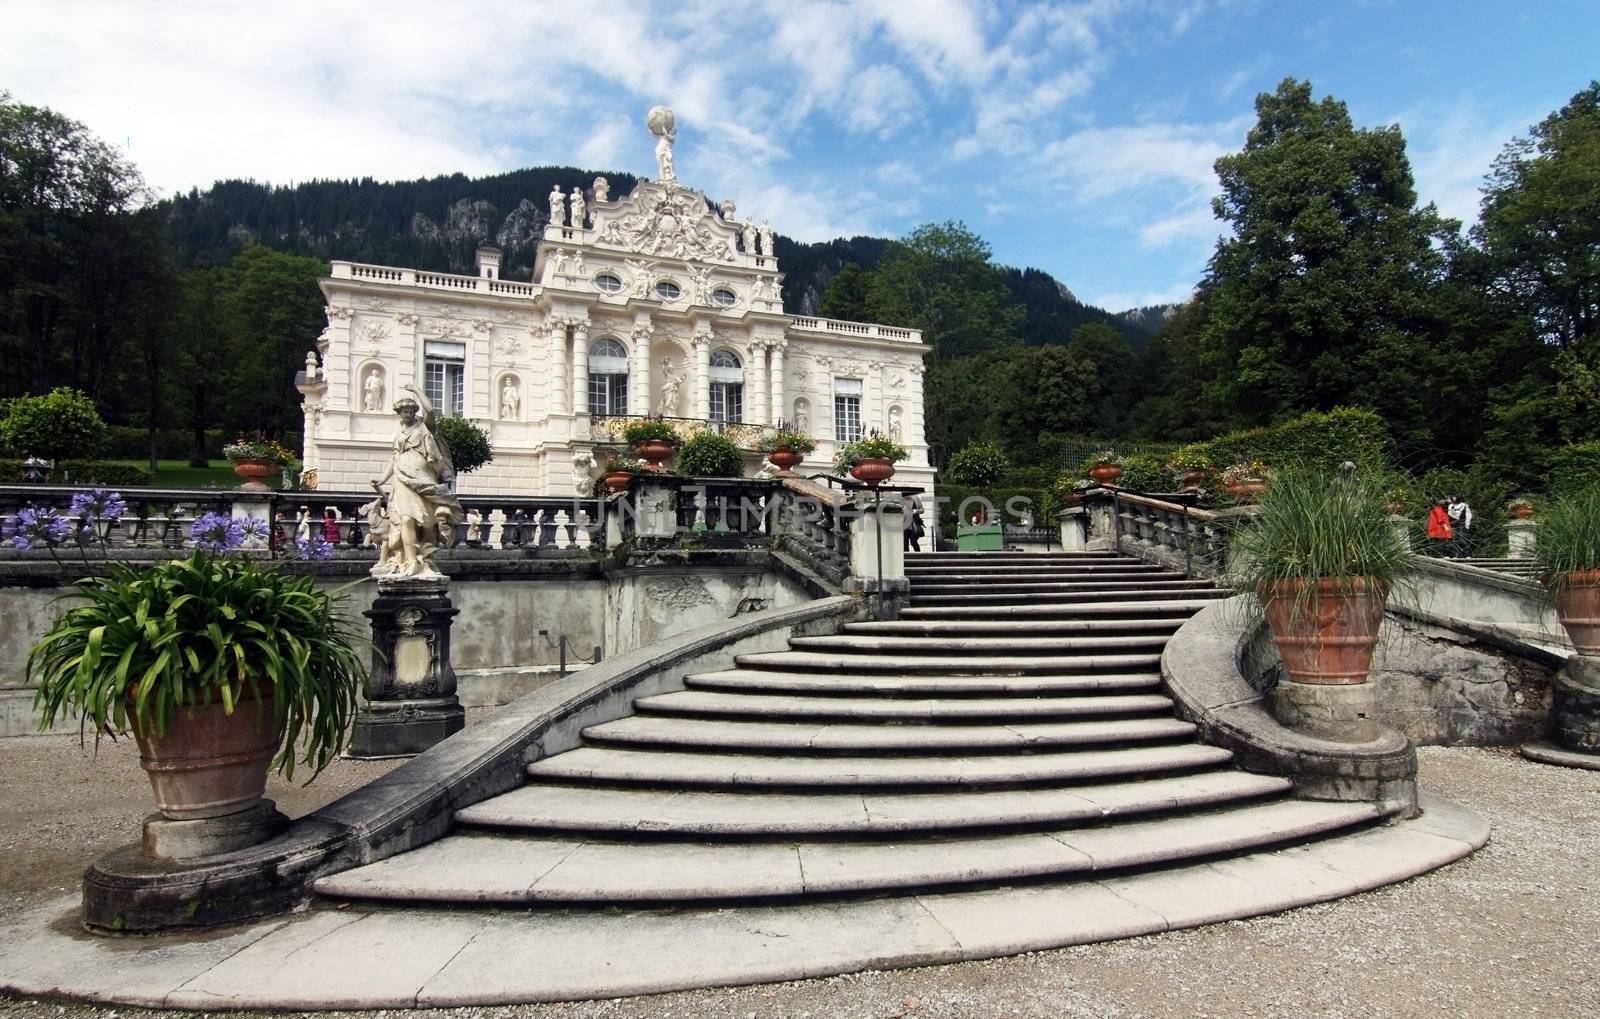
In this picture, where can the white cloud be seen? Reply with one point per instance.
(1451, 150)
(1126, 301)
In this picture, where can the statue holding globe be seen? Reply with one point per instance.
(665, 127)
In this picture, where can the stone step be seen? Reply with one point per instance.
(1051, 586)
(480, 867)
(854, 644)
(737, 771)
(961, 665)
(1001, 627)
(846, 684)
(1179, 608)
(1011, 557)
(703, 703)
(920, 599)
(543, 807)
(822, 737)
(1112, 570)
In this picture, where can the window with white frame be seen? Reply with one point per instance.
(847, 409)
(444, 376)
(727, 386)
(608, 378)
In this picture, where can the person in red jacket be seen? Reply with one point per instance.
(1440, 533)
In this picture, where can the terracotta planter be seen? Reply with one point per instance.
(1192, 480)
(1328, 639)
(618, 481)
(1522, 513)
(1395, 509)
(1246, 489)
(255, 472)
(653, 452)
(786, 460)
(1106, 473)
(210, 763)
(872, 471)
(1578, 608)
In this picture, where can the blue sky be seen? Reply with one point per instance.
(1076, 137)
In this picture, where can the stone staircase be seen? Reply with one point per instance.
(1523, 569)
(1009, 728)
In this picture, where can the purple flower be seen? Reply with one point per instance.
(38, 528)
(252, 529)
(216, 532)
(98, 504)
(315, 548)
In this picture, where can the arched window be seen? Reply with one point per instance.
(608, 378)
(727, 386)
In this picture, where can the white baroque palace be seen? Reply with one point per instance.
(649, 304)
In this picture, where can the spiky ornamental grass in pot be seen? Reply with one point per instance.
(221, 665)
(1321, 557)
(1568, 554)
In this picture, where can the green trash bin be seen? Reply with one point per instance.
(979, 538)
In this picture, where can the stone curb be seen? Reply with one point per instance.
(1549, 753)
(519, 956)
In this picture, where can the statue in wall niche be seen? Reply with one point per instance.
(510, 400)
(802, 418)
(727, 209)
(747, 233)
(583, 472)
(894, 424)
(664, 126)
(558, 206)
(578, 209)
(672, 384)
(418, 504)
(766, 239)
(577, 263)
(602, 190)
(372, 392)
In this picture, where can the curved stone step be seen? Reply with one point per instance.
(963, 665)
(569, 869)
(1181, 608)
(967, 574)
(703, 703)
(716, 734)
(695, 813)
(854, 644)
(729, 771)
(856, 684)
(1002, 627)
(1054, 586)
(1066, 597)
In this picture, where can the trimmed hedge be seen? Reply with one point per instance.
(1044, 502)
(83, 472)
(1314, 439)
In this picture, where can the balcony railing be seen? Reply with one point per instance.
(432, 280)
(745, 435)
(865, 330)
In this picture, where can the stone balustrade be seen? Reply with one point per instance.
(861, 329)
(745, 435)
(1172, 533)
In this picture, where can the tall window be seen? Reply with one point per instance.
(727, 386)
(444, 377)
(608, 378)
(847, 409)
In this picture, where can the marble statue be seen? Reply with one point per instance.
(895, 429)
(474, 526)
(578, 208)
(558, 206)
(419, 505)
(671, 385)
(664, 126)
(372, 392)
(558, 259)
(702, 284)
(766, 239)
(728, 209)
(602, 190)
(802, 418)
(380, 534)
(311, 366)
(510, 401)
(747, 232)
(643, 278)
(583, 472)
(577, 263)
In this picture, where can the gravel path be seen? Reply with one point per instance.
(1513, 930)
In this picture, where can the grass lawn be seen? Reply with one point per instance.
(178, 474)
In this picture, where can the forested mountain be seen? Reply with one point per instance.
(437, 223)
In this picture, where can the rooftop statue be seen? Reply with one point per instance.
(665, 127)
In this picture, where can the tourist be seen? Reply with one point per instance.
(1461, 524)
(915, 529)
(330, 525)
(1439, 533)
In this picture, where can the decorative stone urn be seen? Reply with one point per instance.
(786, 460)
(1192, 480)
(872, 471)
(654, 453)
(1105, 474)
(617, 481)
(1246, 489)
(255, 473)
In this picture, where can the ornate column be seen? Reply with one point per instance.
(756, 406)
(702, 374)
(580, 366)
(557, 380)
(775, 394)
(639, 394)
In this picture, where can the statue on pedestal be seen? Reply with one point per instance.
(747, 232)
(728, 209)
(418, 504)
(372, 392)
(558, 206)
(664, 126)
(602, 190)
(766, 239)
(578, 209)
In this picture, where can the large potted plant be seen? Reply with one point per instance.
(1568, 555)
(617, 473)
(256, 460)
(1191, 468)
(1103, 467)
(787, 448)
(653, 441)
(1321, 558)
(870, 461)
(220, 665)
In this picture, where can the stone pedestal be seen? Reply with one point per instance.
(1074, 529)
(166, 839)
(1521, 535)
(1341, 713)
(1576, 712)
(411, 689)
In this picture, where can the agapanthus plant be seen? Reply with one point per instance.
(97, 504)
(217, 532)
(314, 548)
(38, 527)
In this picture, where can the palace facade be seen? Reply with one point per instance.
(648, 304)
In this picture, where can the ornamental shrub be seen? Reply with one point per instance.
(1573, 468)
(62, 425)
(980, 464)
(1146, 472)
(709, 455)
(468, 444)
(1314, 439)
